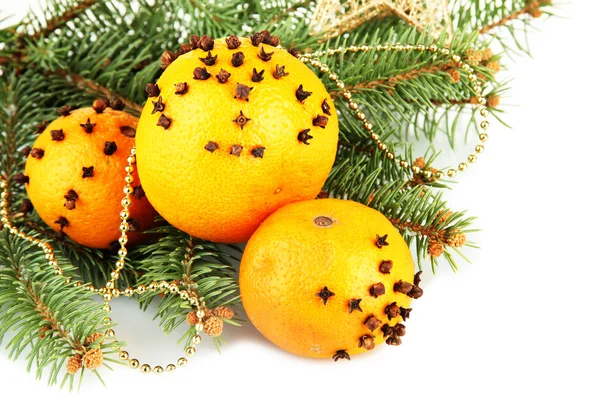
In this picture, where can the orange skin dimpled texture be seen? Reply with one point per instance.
(328, 279)
(72, 197)
(227, 139)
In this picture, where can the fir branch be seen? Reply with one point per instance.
(60, 17)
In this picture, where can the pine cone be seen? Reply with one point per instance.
(93, 337)
(192, 318)
(74, 364)
(213, 326)
(223, 312)
(93, 358)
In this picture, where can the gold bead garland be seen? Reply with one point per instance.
(110, 290)
(313, 59)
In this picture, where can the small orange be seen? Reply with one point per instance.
(75, 175)
(230, 133)
(328, 278)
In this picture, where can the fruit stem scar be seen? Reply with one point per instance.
(323, 221)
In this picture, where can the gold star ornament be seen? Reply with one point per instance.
(335, 17)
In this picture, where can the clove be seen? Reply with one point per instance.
(88, 127)
(71, 197)
(381, 241)
(128, 131)
(242, 92)
(201, 73)
(65, 110)
(223, 76)
(138, 192)
(304, 137)
(377, 290)
(372, 322)
(158, 105)
(110, 148)
(354, 304)
(21, 178)
(36, 153)
(241, 120)
(256, 39)
(26, 206)
(403, 287)
(117, 104)
(57, 135)
(25, 151)
(99, 105)
(280, 72)
(164, 121)
(39, 128)
(237, 59)
(181, 88)
(134, 225)
(236, 150)
(62, 222)
(194, 41)
(325, 294)
(367, 341)
(88, 172)
(320, 121)
(301, 94)
(263, 55)
(233, 42)
(209, 60)
(258, 152)
(385, 266)
(325, 107)
(341, 355)
(211, 146)
(152, 90)
(206, 43)
(257, 76)
(167, 58)
(294, 52)
(405, 313)
(184, 48)
(392, 310)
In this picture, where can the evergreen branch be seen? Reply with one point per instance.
(58, 21)
(96, 89)
(528, 9)
(201, 268)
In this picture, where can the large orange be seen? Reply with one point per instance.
(328, 278)
(217, 158)
(76, 172)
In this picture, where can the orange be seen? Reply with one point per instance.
(76, 172)
(217, 158)
(328, 278)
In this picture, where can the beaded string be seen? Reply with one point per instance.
(111, 291)
(313, 59)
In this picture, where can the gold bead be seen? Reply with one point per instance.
(375, 136)
(484, 125)
(462, 166)
(110, 284)
(129, 169)
(472, 158)
(390, 156)
(124, 214)
(456, 58)
(415, 169)
(171, 368)
(483, 112)
(200, 314)
(125, 202)
(106, 308)
(403, 164)
(115, 274)
(58, 271)
(382, 146)
(132, 152)
(368, 126)
(163, 285)
(353, 48)
(433, 48)
(146, 369)
(128, 179)
(483, 137)
(116, 293)
(173, 288)
(182, 362)
(107, 297)
(353, 105)
(128, 292)
(199, 327)
(439, 175)
(184, 295)
(364, 47)
(107, 321)
(333, 77)
(131, 160)
(124, 227)
(123, 240)
(141, 289)
(324, 68)
(409, 47)
(347, 95)
(190, 351)
(153, 286)
(452, 173)
(479, 148)
(472, 77)
(360, 115)
(340, 84)
(124, 355)
(427, 174)
(133, 363)
(158, 370)
(110, 333)
(127, 189)
(421, 47)
(196, 339)
(194, 302)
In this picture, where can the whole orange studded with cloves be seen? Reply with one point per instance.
(328, 279)
(75, 173)
(233, 129)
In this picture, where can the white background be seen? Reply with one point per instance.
(519, 322)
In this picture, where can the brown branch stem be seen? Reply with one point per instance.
(93, 87)
(61, 20)
(535, 4)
